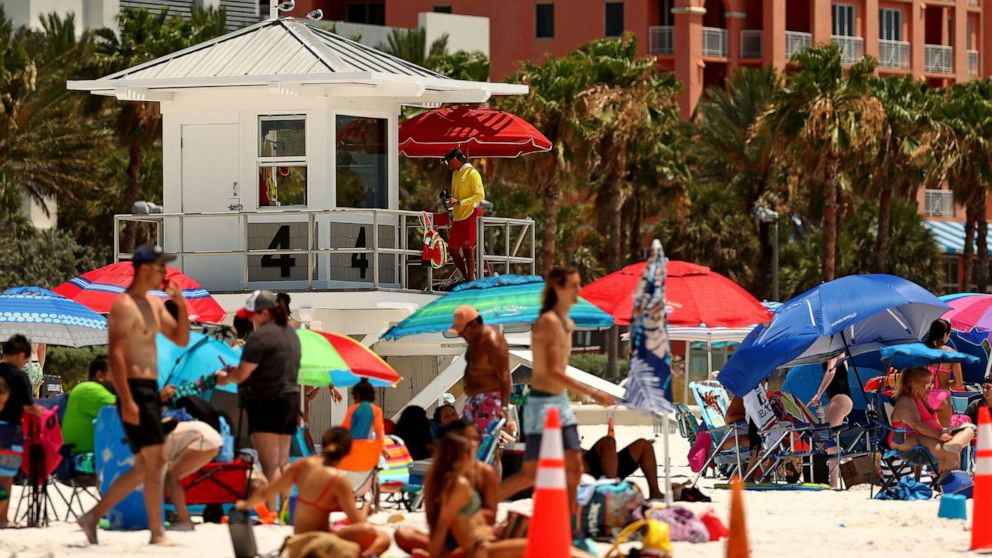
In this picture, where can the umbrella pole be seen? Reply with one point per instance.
(668, 463)
(847, 349)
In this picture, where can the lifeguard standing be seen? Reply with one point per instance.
(466, 194)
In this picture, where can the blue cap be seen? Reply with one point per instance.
(147, 253)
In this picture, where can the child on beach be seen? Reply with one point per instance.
(322, 489)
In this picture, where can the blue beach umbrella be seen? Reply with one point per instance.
(201, 356)
(854, 314)
(917, 354)
(501, 300)
(46, 317)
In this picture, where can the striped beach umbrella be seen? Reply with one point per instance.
(46, 317)
(97, 290)
(501, 300)
(339, 360)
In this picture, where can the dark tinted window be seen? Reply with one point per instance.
(614, 19)
(545, 21)
(442, 9)
(367, 12)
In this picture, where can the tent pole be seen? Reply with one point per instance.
(685, 375)
(709, 354)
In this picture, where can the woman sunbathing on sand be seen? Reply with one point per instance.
(323, 489)
(457, 521)
(912, 412)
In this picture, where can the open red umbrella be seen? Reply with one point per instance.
(97, 290)
(694, 295)
(477, 131)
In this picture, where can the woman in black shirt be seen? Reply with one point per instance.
(839, 405)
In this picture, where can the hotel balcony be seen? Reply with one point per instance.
(661, 39)
(938, 203)
(714, 41)
(852, 49)
(797, 41)
(938, 59)
(893, 54)
(972, 63)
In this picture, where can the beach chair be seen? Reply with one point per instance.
(76, 481)
(712, 400)
(687, 422)
(393, 476)
(895, 463)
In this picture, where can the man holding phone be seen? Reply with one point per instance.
(136, 318)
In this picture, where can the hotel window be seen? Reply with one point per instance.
(951, 276)
(442, 9)
(843, 21)
(890, 22)
(545, 21)
(373, 13)
(282, 160)
(614, 19)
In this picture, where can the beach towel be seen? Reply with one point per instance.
(907, 489)
(769, 486)
(683, 524)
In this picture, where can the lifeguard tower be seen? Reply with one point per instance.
(280, 171)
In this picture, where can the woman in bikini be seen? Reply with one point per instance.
(946, 376)
(912, 412)
(327, 490)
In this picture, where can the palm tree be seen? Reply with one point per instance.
(411, 45)
(824, 123)
(967, 110)
(46, 148)
(914, 151)
(729, 148)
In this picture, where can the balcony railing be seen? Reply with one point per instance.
(972, 2)
(852, 49)
(661, 39)
(714, 41)
(751, 43)
(797, 41)
(972, 63)
(938, 59)
(893, 54)
(342, 249)
(938, 203)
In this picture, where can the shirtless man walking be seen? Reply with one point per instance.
(552, 343)
(487, 369)
(136, 317)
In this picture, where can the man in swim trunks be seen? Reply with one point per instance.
(552, 345)
(136, 318)
(487, 368)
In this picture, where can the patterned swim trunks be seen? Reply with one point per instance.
(482, 409)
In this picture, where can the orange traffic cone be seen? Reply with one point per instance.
(981, 535)
(549, 534)
(737, 541)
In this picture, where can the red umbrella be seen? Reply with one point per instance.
(477, 131)
(97, 290)
(694, 295)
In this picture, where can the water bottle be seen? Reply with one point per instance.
(821, 413)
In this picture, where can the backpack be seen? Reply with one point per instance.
(607, 507)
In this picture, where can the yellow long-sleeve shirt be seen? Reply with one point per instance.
(466, 187)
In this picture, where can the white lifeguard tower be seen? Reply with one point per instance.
(280, 167)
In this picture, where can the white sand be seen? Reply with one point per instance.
(779, 524)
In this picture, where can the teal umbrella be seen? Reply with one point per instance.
(501, 300)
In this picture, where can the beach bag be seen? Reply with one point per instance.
(607, 507)
(957, 482)
(683, 525)
(700, 451)
(318, 544)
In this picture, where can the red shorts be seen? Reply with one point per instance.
(462, 233)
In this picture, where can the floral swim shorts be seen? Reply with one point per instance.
(482, 409)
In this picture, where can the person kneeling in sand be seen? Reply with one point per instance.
(327, 490)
